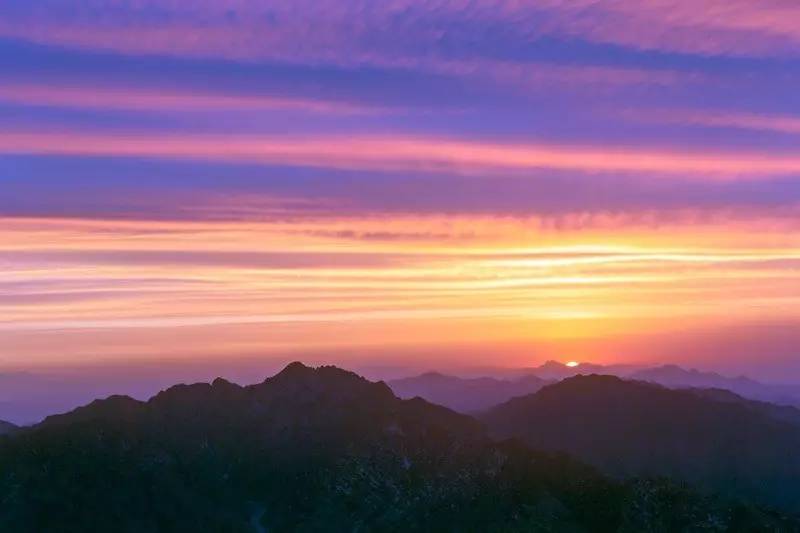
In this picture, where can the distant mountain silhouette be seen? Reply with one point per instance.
(556, 371)
(469, 395)
(633, 428)
(784, 413)
(316, 450)
(7, 428)
(674, 376)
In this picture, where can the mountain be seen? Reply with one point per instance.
(317, 450)
(628, 428)
(674, 376)
(7, 428)
(556, 371)
(469, 395)
(784, 413)
(27, 398)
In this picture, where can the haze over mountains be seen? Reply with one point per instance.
(470, 395)
(674, 376)
(324, 449)
(29, 397)
(465, 395)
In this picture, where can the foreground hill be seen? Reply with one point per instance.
(640, 429)
(315, 450)
(465, 395)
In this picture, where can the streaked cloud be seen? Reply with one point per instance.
(789, 124)
(252, 176)
(406, 153)
(162, 99)
(355, 32)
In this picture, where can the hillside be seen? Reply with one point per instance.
(313, 450)
(639, 429)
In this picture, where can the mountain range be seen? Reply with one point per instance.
(556, 371)
(465, 395)
(476, 394)
(674, 376)
(625, 428)
(27, 398)
(322, 449)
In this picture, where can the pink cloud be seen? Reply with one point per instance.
(163, 99)
(737, 27)
(328, 31)
(722, 119)
(407, 153)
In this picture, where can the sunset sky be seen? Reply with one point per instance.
(438, 183)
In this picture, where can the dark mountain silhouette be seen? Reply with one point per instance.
(317, 450)
(674, 377)
(27, 398)
(7, 428)
(469, 395)
(633, 428)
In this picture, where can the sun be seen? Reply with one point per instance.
(573, 364)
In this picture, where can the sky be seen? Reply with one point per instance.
(433, 182)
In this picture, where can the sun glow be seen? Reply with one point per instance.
(263, 286)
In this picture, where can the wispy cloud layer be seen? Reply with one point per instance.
(162, 99)
(256, 176)
(405, 153)
(358, 32)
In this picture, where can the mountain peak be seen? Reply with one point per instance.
(432, 374)
(114, 408)
(592, 379)
(222, 383)
(295, 367)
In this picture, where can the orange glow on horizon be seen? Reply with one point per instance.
(291, 286)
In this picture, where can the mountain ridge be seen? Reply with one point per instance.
(315, 449)
(675, 376)
(632, 428)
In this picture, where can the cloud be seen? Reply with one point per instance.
(163, 99)
(349, 31)
(259, 175)
(399, 153)
(779, 123)
(265, 260)
(710, 27)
